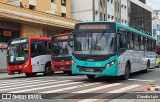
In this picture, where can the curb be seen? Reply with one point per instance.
(3, 71)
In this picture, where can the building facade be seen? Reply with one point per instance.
(156, 25)
(141, 15)
(20, 18)
(101, 10)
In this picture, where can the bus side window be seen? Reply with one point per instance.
(122, 41)
(129, 40)
(47, 47)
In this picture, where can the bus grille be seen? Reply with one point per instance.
(84, 69)
(62, 67)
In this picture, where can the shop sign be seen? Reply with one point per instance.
(3, 46)
(7, 33)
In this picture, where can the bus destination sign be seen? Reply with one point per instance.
(94, 26)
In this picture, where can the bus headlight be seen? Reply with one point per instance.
(52, 65)
(110, 64)
(26, 65)
(74, 63)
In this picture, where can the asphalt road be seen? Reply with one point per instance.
(77, 87)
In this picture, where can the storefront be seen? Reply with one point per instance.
(8, 31)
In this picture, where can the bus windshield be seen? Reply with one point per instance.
(60, 48)
(94, 43)
(18, 50)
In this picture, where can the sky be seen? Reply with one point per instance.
(154, 4)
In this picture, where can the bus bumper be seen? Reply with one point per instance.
(61, 66)
(111, 71)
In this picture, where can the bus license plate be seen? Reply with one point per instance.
(15, 72)
(62, 68)
(90, 70)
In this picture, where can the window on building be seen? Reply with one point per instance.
(54, 1)
(63, 3)
(115, 6)
(118, 7)
(112, 17)
(21, 5)
(108, 16)
(32, 7)
(101, 17)
(111, 1)
(116, 19)
(125, 21)
(122, 6)
(100, 3)
(63, 14)
(104, 16)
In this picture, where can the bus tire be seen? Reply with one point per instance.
(48, 70)
(91, 77)
(147, 67)
(127, 72)
(30, 74)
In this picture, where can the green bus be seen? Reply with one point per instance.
(111, 49)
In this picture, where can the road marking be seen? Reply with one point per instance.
(98, 88)
(87, 90)
(15, 82)
(25, 83)
(45, 87)
(139, 80)
(101, 96)
(24, 87)
(124, 89)
(69, 88)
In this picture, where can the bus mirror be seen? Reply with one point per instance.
(70, 43)
(70, 36)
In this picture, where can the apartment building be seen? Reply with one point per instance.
(156, 25)
(101, 10)
(125, 10)
(141, 15)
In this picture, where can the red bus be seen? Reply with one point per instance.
(29, 55)
(61, 53)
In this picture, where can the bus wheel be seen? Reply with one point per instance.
(30, 74)
(126, 75)
(147, 67)
(91, 76)
(48, 70)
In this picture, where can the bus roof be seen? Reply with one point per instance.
(39, 38)
(61, 34)
(123, 26)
